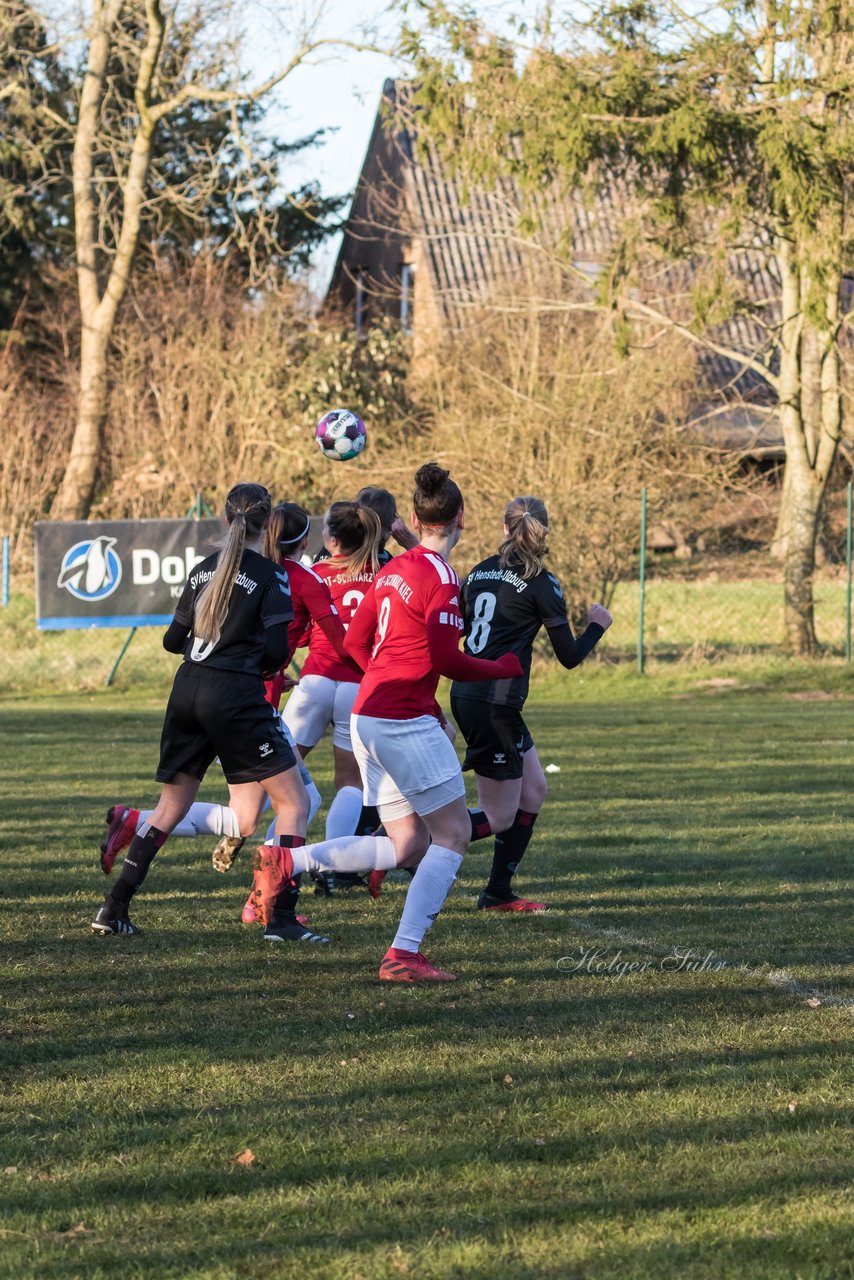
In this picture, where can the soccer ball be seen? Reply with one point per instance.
(340, 435)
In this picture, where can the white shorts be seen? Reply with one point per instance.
(407, 766)
(316, 703)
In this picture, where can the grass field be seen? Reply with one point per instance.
(550, 1115)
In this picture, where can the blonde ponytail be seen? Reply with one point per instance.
(247, 509)
(527, 524)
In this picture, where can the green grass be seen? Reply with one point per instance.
(525, 1122)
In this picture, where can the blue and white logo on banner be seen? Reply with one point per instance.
(91, 570)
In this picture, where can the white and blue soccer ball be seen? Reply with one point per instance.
(341, 435)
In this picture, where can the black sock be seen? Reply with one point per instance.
(480, 827)
(139, 857)
(369, 820)
(510, 846)
(288, 898)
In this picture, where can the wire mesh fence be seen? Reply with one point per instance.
(666, 610)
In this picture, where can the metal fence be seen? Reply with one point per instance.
(671, 613)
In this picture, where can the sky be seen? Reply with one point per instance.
(341, 90)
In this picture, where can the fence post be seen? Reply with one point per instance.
(642, 578)
(5, 571)
(848, 576)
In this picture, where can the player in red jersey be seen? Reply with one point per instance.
(329, 683)
(406, 635)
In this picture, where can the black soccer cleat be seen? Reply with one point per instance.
(324, 882)
(347, 880)
(109, 921)
(284, 927)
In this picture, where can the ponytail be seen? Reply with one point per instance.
(359, 533)
(289, 526)
(527, 524)
(247, 509)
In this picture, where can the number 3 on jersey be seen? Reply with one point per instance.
(484, 608)
(382, 624)
(351, 601)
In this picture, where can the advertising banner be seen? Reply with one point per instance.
(115, 573)
(122, 573)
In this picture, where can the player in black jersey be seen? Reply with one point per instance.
(231, 624)
(505, 601)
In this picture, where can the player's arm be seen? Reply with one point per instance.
(571, 652)
(277, 613)
(444, 628)
(277, 651)
(359, 637)
(175, 636)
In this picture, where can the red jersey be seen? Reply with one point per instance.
(347, 594)
(311, 602)
(417, 590)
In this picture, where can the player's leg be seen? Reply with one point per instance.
(528, 793)
(276, 881)
(175, 799)
(449, 828)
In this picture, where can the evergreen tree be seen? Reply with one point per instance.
(731, 128)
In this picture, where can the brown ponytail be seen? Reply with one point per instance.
(527, 524)
(437, 500)
(247, 509)
(359, 533)
(289, 526)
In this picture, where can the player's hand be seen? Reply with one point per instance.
(510, 666)
(288, 683)
(403, 535)
(599, 614)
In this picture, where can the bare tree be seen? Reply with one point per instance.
(148, 65)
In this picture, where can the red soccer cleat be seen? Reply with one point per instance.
(121, 829)
(375, 883)
(274, 868)
(411, 966)
(486, 902)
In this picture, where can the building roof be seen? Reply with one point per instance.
(475, 253)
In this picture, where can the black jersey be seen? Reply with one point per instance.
(383, 556)
(503, 613)
(260, 598)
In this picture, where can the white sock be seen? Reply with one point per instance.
(349, 853)
(343, 815)
(202, 819)
(313, 796)
(426, 896)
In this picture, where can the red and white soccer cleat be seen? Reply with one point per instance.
(486, 902)
(411, 966)
(375, 883)
(121, 829)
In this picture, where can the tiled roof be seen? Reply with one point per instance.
(475, 252)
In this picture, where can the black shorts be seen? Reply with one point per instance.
(221, 713)
(496, 738)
